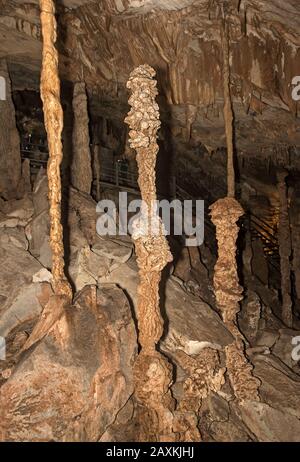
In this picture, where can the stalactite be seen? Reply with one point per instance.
(284, 235)
(81, 168)
(225, 214)
(228, 112)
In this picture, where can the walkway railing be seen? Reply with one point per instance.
(122, 178)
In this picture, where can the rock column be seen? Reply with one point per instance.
(53, 115)
(10, 157)
(81, 167)
(225, 214)
(285, 249)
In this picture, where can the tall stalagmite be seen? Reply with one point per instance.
(153, 373)
(53, 115)
(81, 168)
(10, 156)
(225, 214)
(285, 249)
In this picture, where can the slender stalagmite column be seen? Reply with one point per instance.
(81, 168)
(225, 214)
(153, 373)
(53, 115)
(285, 250)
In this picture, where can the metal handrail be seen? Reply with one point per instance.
(115, 176)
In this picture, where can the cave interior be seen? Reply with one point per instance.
(130, 337)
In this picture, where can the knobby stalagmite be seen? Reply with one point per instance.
(285, 249)
(53, 115)
(153, 373)
(81, 168)
(225, 214)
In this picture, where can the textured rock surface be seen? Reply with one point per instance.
(112, 250)
(250, 316)
(285, 250)
(17, 269)
(280, 386)
(25, 306)
(89, 384)
(182, 40)
(10, 157)
(81, 167)
(74, 394)
(192, 325)
(37, 233)
(269, 424)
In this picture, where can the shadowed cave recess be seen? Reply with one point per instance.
(138, 336)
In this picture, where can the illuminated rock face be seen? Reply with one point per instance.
(75, 394)
(181, 40)
(10, 158)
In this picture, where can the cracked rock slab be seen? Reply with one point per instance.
(73, 393)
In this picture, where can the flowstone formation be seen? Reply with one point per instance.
(81, 169)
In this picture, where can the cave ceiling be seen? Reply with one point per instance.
(102, 41)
